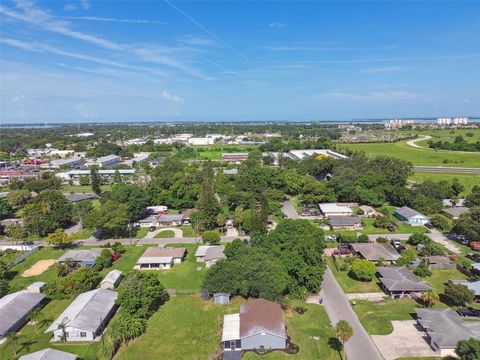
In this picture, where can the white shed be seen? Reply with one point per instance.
(111, 280)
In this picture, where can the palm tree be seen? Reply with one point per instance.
(34, 316)
(62, 326)
(430, 298)
(13, 337)
(343, 332)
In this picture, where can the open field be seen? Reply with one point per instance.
(447, 135)
(349, 284)
(468, 181)
(38, 268)
(417, 156)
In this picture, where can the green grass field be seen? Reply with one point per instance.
(468, 181)
(417, 156)
(165, 234)
(350, 285)
(83, 188)
(376, 317)
(188, 231)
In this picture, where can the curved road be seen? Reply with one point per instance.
(361, 345)
(413, 143)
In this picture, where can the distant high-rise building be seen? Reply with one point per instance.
(398, 123)
(460, 121)
(444, 121)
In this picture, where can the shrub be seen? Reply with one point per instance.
(407, 256)
(416, 239)
(104, 260)
(363, 238)
(67, 267)
(459, 294)
(211, 237)
(83, 280)
(363, 269)
(422, 269)
(441, 222)
(382, 240)
(381, 222)
(468, 349)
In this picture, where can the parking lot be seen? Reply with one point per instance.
(406, 340)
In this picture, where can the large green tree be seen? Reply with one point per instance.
(468, 349)
(208, 203)
(111, 217)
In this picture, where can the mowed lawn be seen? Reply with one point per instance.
(376, 317)
(467, 180)
(187, 327)
(417, 156)
(349, 284)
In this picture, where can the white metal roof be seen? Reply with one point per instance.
(231, 327)
(155, 260)
(112, 276)
(334, 208)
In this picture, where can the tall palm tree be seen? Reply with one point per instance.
(343, 332)
(430, 298)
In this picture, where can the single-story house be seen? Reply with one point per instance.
(454, 212)
(451, 203)
(111, 280)
(86, 317)
(345, 222)
(14, 309)
(259, 325)
(155, 258)
(210, 254)
(332, 209)
(440, 262)
(77, 197)
(411, 216)
(376, 251)
(368, 211)
(82, 257)
(151, 220)
(49, 354)
(398, 282)
(446, 328)
(36, 287)
(221, 298)
(170, 220)
(186, 216)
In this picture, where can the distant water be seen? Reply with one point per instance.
(236, 122)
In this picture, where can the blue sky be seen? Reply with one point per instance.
(176, 60)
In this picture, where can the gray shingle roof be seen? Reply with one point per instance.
(49, 354)
(455, 211)
(81, 255)
(15, 306)
(170, 217)
(76, 197)
(344, 220)
(407, 212)
(87, 311)
(214, 252)
(445, 327)
(400, 279)
(376, 251)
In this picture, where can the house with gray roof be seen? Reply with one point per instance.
(156, 258)
(86, 317)
(49, 354)
(398, 282)
(345, 222)
(14, 310)
(170, 220)
(77, 197)
(455, 212)
(210, 254)
(83, 257)
(411, 216)
(259, 325)
(445, 328)
(375, 252)
(111, 280)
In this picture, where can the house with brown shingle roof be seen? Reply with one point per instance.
(259, 325)
(155, 258)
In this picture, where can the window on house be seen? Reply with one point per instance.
(83, 334)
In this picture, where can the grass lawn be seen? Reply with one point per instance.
(83, 188)
(165, 234)
(191, 329)
(188, 231)
(403, 228)
(84, 234)
(19, 282)
(32, 339)
(467, 180)
(141, 232)
(350, 285)
(417, 156)
(128, 259)
(440, 277)
(184, 277)
(376, 317)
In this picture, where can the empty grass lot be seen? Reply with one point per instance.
(417, 156)
(191, 329)
(376, 317)
(349, 284)
(188, 231)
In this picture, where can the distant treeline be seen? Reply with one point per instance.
(459, 144)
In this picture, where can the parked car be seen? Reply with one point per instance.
(152, 228)
(429, 225)
(391, 228)
(398, 245)
(469, 312)
(342, 251)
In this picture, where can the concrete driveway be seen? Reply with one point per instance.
(440, 238)
(404, 341)
(289, 210)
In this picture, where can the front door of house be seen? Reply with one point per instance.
(232, 345)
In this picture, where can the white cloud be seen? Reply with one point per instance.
(105, 19)
(85, 4)
(197, 41)
(277, 25)
(70, 7)
(83, 111)
(172, 98)
(18, 99)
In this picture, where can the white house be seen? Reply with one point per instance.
(332, 209)
(86, 317)
(155, 258)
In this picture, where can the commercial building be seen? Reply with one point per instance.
(332, 209)
(107, 160)
(235, 158)
(60, 163)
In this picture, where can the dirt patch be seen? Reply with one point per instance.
(38, 268)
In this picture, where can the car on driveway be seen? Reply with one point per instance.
(152, 228)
